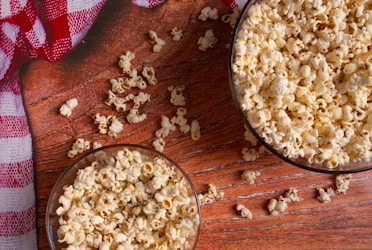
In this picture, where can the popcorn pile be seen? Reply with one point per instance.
(303, 74)
(127, 200)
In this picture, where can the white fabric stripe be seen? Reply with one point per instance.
(240, 3)
(22, 3)
(78, 5)
(5, 8)
(76, 38)
(15, 149)
(17, 199)
(143, 3)
(11, 104)
(26, 242)
(39, 32)
(11, 31)
(4, 63)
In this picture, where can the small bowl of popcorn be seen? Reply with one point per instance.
(123, 197)
(301, 75)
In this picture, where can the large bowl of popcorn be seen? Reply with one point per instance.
(301, 76)
(123, 197)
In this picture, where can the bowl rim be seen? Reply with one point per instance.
(132, 147)
(337, 170)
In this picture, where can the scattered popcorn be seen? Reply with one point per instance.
(181, 121)
(308, 79)
(195, 130)
(96, 145)
(208, 12)
(208, 41)
(125, 61)
(149, 74)
(166, 127)
(156, 41)
(135, 117)
(115, 127)
(211, 195)
(103, 122)
(249, 154)
(127, 200)
(244, 212)
(68, 106)
(78, 147)
(159, 144)
(134, 80)
(250, 175)
(276, 206)
(291, 195)
(342, 183)
(118, 102)
(117, 85)
(176, 34)
(325, 196)
(177, 97)
(232, 18)
(248, 136)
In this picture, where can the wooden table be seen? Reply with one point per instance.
(345, 222)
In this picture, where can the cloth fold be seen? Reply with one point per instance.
(34, 29)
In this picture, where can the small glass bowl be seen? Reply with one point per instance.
(350, 167)
(69, 175)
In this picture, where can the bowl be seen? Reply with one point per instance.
(130, 194)
(293, 95)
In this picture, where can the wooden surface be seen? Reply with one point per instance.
(345, 222)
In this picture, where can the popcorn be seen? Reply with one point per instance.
(115, 127)
(170, 124)
(208, 12)
(96, 145)
(176, 34)
(277, 206)
(68, 106)
(159, 144)
(78, 147)
(250, 175)
(244, 212)
(307, 79)
(166, 127)
(108, 124)
(156, 41)
(342, 183)
(125, 61)
(135, 117)
(113, 204)
(208, 41)
(177, 97)
(249, 154)
(211, 195)
(325, 195)
(195, 130)
(149, 74)
(118, 102)
(231, 18)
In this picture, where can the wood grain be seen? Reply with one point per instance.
(344, 223)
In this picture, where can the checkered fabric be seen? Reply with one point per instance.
(32, 29)
(235, 3)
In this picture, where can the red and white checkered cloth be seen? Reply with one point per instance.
(31, 29)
